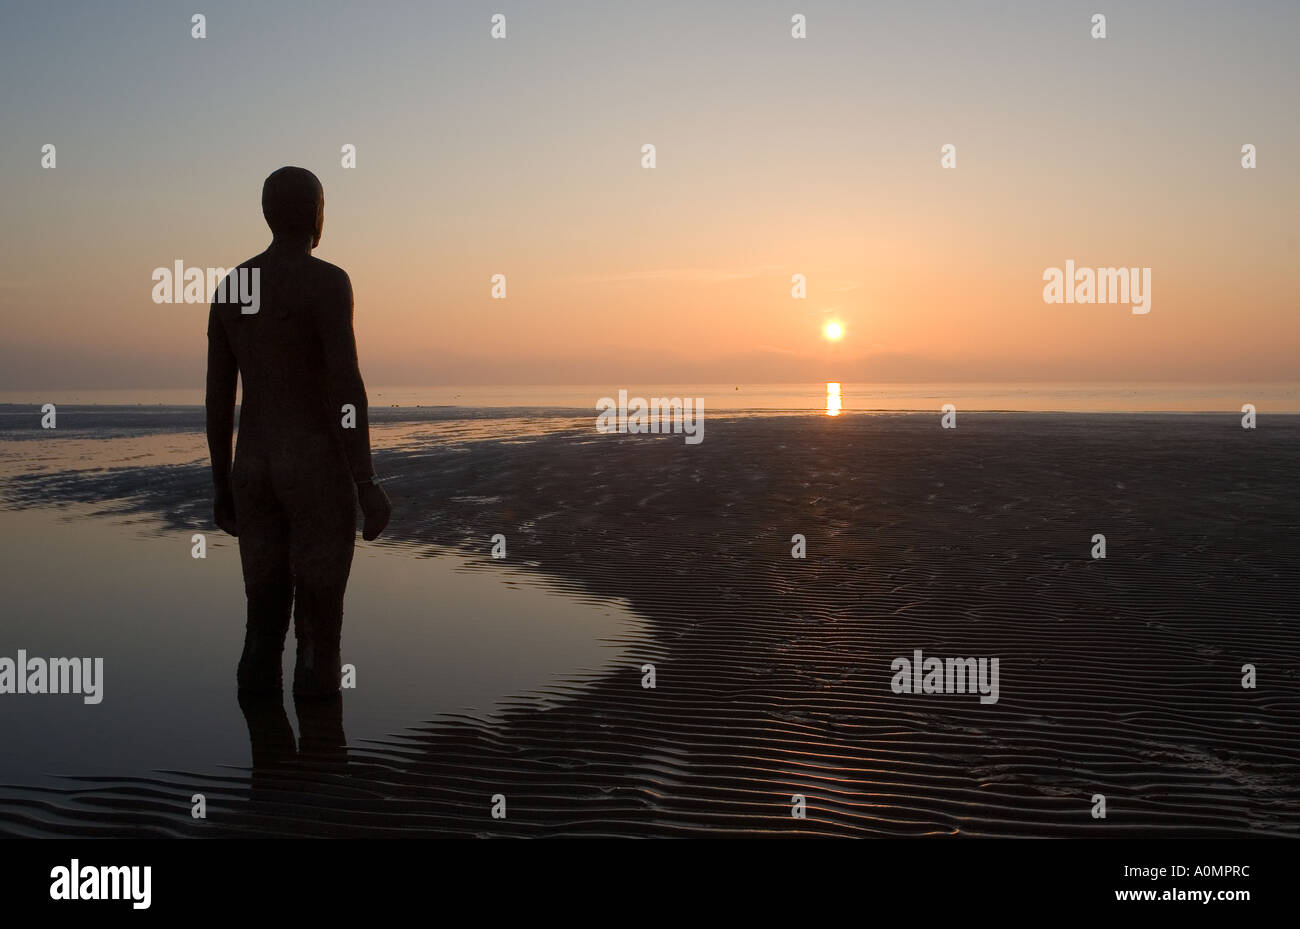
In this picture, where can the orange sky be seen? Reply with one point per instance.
(775, 156)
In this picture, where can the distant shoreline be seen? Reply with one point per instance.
(1268, 397)
(398, 411)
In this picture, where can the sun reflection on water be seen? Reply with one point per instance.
(833, 404)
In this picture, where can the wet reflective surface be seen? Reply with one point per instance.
(428, 631)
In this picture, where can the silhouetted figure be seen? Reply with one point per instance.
(291, 495)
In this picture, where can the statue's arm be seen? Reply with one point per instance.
(223, 373)
(343, 373)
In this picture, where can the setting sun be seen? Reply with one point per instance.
(833, 331)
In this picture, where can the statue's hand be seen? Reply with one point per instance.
(377, 507)
(223, 509)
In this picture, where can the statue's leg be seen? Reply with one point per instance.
(268, 583)
(323, 521)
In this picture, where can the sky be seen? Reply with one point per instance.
(775, 156)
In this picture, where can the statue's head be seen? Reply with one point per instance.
(293, 203)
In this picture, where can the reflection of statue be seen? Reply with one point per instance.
(301, 458)
(277, 761)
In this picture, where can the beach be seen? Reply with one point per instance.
(1119, 676)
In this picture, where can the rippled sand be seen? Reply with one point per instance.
(1119, 676)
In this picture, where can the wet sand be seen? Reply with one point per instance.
(1119, 677)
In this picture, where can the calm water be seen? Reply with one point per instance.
(1079, 398)
(170, 628)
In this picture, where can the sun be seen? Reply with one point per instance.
(833, 331)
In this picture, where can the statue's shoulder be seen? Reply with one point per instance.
(331, 288)
(329, 273)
